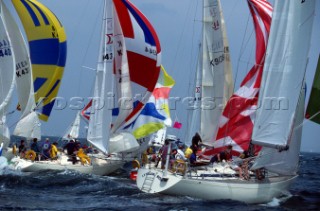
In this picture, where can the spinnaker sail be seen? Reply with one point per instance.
(48, 51)
(129, 49)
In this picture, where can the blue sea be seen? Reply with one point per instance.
(69, 190)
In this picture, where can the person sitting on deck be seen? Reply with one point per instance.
(188, 152)
(84, 158)
(180, 154)
(46, 149)
(22, 148)
(193, 158)
(54, 151)
(34, 146)
(224, 155)
(241, 165)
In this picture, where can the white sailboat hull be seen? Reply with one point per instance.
(100, 166)
(251, 191)
(105, 166)
(36, 166)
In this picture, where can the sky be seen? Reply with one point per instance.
(177, 23)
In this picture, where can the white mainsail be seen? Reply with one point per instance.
(215, 82)
(101, 112)
(29, 125)
(7, 74)
(284, 71)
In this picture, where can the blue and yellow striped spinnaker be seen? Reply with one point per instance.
(48, 51)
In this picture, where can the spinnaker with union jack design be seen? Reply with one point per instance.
(129, 49)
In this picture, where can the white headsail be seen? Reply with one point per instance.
(7, 74)
(281, 104)
(101, 112)
(73, 130)
(29, 125)
(284, 71)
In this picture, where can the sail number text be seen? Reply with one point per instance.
(5, 49)
(107, 56)
(216, 61)
(150, 50)
(22, 68)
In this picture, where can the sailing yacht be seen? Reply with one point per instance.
(41, 75)
(128, 40)
(276, 131)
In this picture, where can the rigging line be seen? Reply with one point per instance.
(243, 45)
(182, 34)
(192, 37)
(193, 63)
(85, 55)
(74, 33)
(89, 68)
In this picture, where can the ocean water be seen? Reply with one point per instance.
(68, 190)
